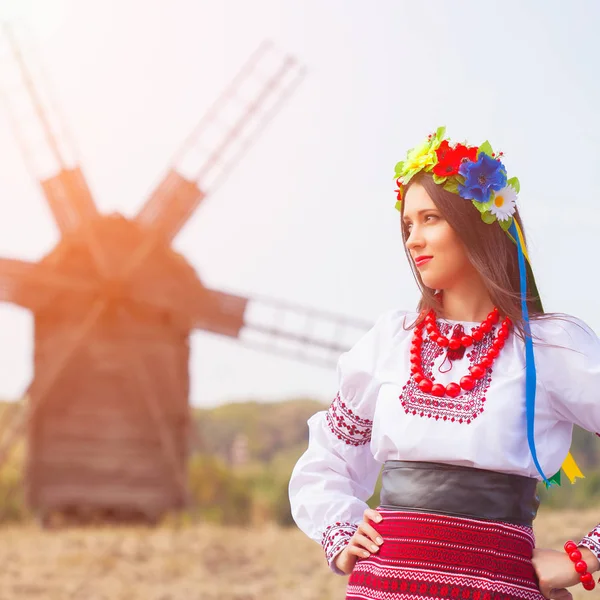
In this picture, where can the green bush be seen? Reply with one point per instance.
(217, 493)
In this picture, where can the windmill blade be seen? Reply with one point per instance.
(220, 313)
(286, 329)
(194, 306)
(221, 138)
(297, 332)
(31, 285)
(304, 334)
(48, 149)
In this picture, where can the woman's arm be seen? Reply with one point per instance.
(334, 478)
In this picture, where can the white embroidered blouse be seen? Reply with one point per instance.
(380, 414)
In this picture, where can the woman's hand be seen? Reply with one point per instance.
(555, 573)
(363, 543)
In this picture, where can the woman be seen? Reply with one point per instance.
(452, 399)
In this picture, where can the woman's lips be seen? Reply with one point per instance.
(419, 262)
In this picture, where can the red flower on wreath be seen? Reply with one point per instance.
(399, 190)
(450, 159)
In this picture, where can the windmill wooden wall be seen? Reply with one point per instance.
(112, 433)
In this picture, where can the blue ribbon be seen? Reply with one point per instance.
(530, 374)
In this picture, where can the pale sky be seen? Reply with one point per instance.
(308, 216)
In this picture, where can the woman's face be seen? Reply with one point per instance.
(438, 253)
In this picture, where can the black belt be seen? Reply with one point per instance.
(458, 491)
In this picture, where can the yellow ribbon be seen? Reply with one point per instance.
(572, 471)
(521, 239)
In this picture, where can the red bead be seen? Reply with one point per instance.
(570, 546)
(575, 555)
(438, 390)
(493, 317)
(586, 577)
(502, 334)
(425, 385)
(486, 362)
(430, 318)
(454, 344)
(477, 371)
(415, 360)
(589, 585)
(498, 344)
(581, 566)
(467, 383)
(418, 377)
(492, 352)
(507, 322)
(477, 335)
(442, 341)
(466, 340)
(486, 326)
(415, 369)
(453, 390)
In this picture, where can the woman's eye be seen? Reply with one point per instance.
(430, 218)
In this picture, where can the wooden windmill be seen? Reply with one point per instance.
(107, 414)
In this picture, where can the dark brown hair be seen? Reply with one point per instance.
(490, 251)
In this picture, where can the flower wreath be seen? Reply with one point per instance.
(475, 173)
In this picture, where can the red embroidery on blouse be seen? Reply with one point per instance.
(468, 406)
(336, 537)
(346, 425)
(592, 541)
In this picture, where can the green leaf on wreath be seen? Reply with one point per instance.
(398, 168)
(488, 217)
(451, 185)
(514, 183)
(486, 148)
(484, 206)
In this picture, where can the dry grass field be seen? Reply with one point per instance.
(192, 562)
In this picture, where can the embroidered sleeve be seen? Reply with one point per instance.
(335, 538)
(347, 426)
(336, 475)
(592, 541)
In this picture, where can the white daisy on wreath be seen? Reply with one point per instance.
(504, 203)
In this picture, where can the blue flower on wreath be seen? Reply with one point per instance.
(481, 177)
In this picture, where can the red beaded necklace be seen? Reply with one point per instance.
(477, 371)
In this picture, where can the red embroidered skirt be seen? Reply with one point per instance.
(426, 555)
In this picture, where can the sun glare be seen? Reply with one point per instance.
(41, 16)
